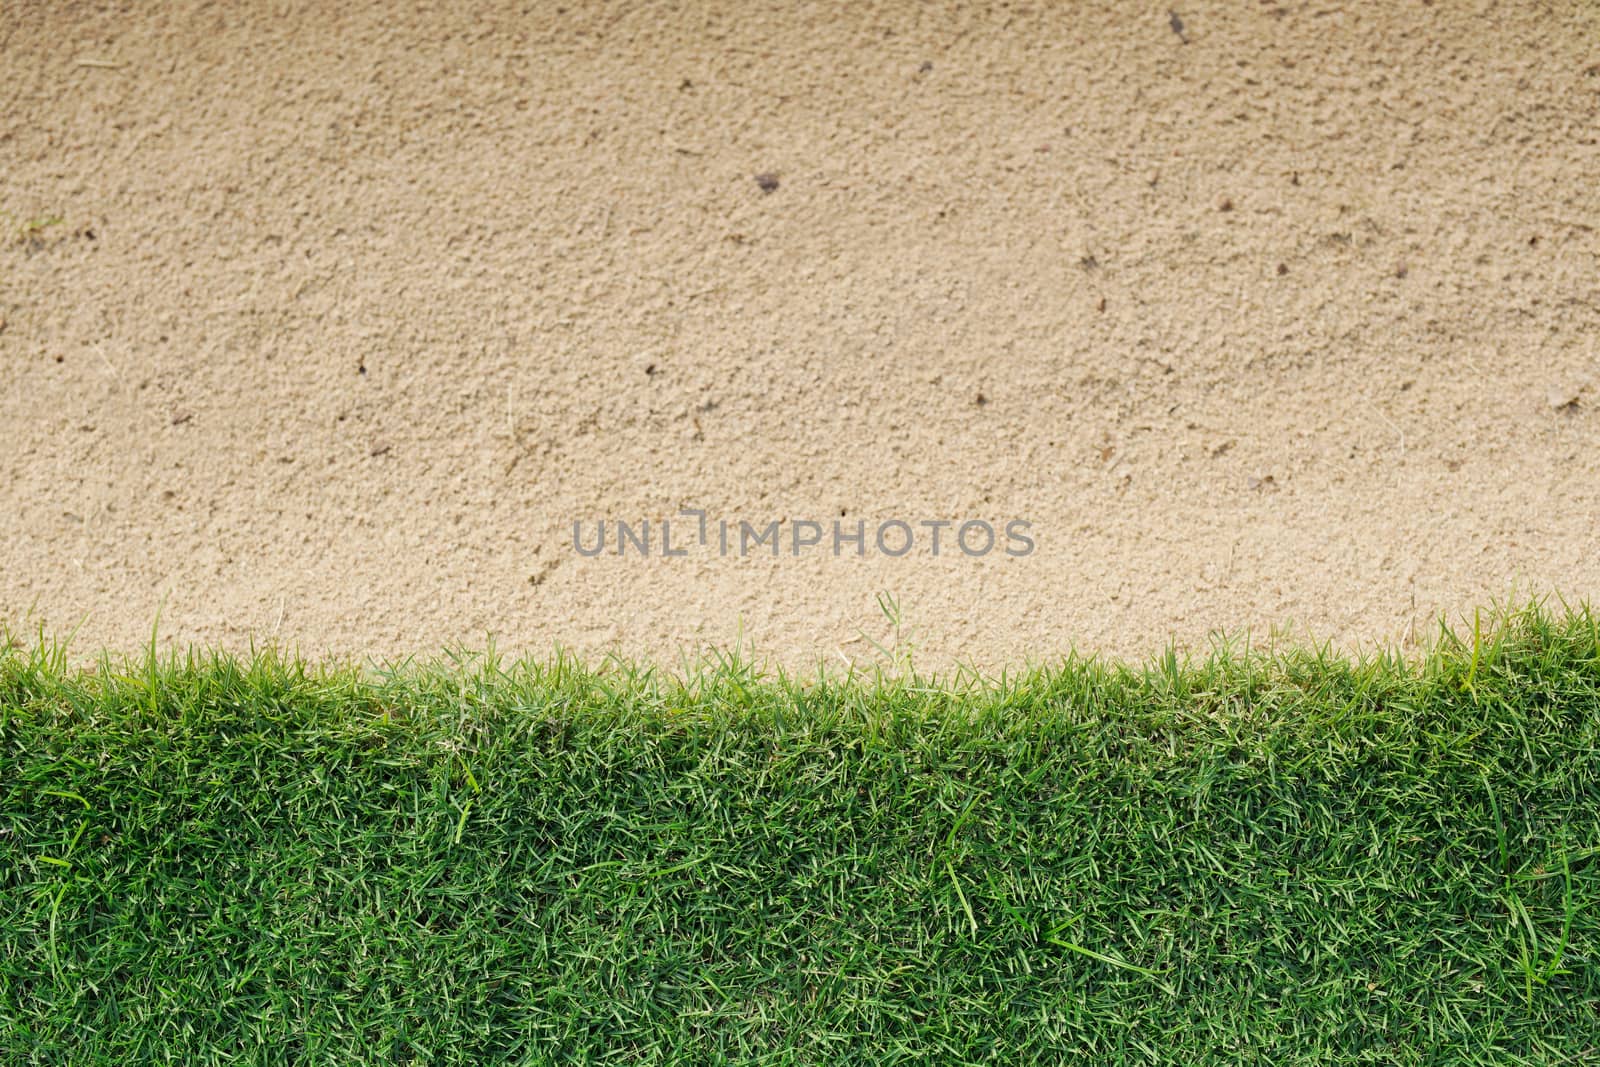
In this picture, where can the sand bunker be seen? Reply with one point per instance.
(325, 326)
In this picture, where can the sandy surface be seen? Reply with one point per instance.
(353, 309)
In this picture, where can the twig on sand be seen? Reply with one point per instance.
(1395, 427)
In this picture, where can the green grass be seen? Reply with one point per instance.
(1295, 860)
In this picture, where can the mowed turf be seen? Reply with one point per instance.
(1297, 859)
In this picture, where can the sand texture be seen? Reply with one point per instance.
(323, 323)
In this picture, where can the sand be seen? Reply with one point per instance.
(323, 323)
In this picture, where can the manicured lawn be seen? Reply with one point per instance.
(1302, 860)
